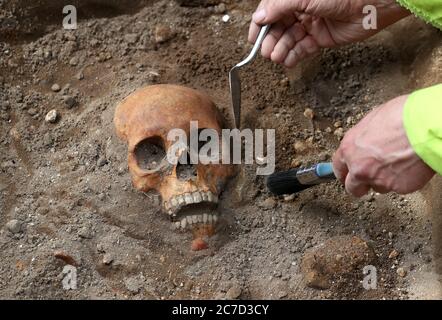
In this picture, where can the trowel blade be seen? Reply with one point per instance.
(235, 92)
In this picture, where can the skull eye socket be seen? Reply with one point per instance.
(149, 153)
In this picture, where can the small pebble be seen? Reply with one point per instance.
(131, 38)
(269, 203)
(70, 102)
(80, 75)
(401, 272)
(233, 293)
(32, 111)
(107, 259)
(134, 284)
(289, 197)
(393, 254)
(339, 132)
(163, 33)
(14, 226)
(52, 116)
(74, 61)
(153, 76)
(282, 294)
(226, 18)
(296, 163)
(102, 161)
(56, 87)
(323, 156)
(309, 113)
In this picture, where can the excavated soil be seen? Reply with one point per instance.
(65, 191)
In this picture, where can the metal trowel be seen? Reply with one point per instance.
(235, 82)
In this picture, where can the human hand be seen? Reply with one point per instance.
(376, 154)
(301, 27)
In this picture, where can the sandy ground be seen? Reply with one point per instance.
(66, 196)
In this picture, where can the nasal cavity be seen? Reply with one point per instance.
(186, 171)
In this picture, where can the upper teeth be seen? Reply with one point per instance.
(189, 198)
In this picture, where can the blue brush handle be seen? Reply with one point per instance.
(299, 179)
(319, 173)
(325, 170)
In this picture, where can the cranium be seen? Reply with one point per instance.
(189, 192)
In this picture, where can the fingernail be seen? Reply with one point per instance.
(259, 16)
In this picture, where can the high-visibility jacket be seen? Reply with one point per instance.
(423, 109)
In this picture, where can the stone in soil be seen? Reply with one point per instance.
(70, 102)
(339, 132)
(393, 254)
(107, 259)
(52, 116)
(14, 226)
(74, 61)
(56, 87)
(134, 284)
(131, 38)
(268, 203)
(338, 257)
(234, 292)
(309, 114)
(401, 272)
(80, 75)
(163, 33)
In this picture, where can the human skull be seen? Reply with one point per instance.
(189, 192)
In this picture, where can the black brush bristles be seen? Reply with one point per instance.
(286, 182)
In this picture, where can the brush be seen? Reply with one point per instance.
(299, 179)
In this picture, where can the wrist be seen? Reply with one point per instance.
(390, 12)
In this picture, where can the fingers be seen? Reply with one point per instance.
(279, 14)
(271, 40)
(304, 48)
(253, 32)
(356, 187)
(255, 27)
(271, 11)
(340, 166)
(288, 46)
(353, 186)
(287, 42)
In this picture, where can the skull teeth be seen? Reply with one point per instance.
(188, 198)
(197, 197)
(189, 221)
(174, 204)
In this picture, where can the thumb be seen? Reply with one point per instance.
(270, 11)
